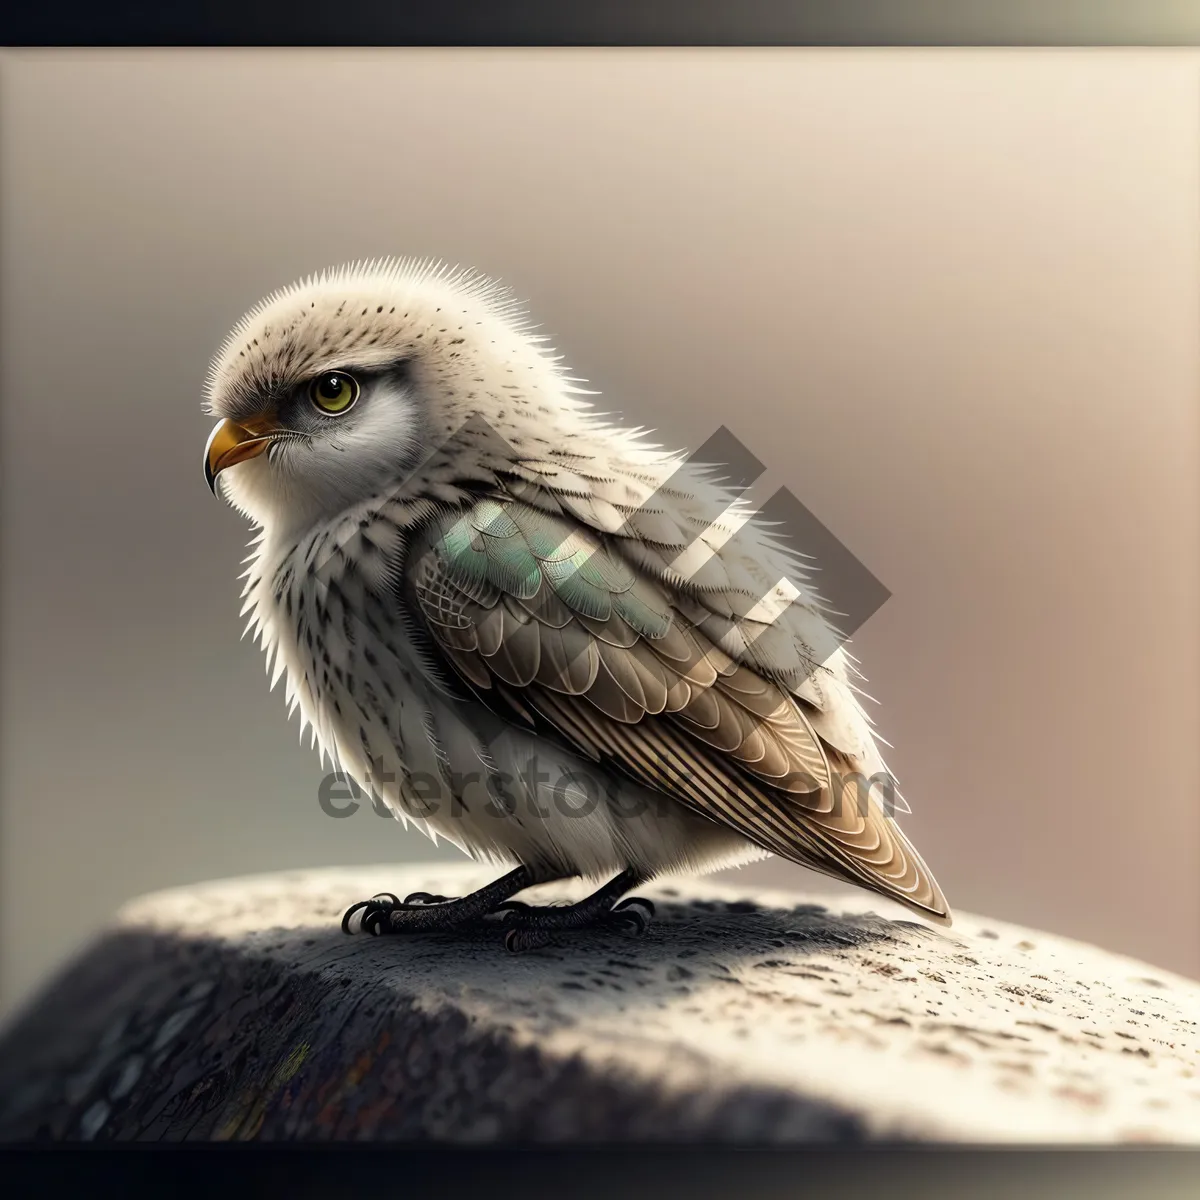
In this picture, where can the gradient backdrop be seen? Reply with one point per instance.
(951, 299)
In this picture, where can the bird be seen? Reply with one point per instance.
(524, 626)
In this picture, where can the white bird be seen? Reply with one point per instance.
(524, 627)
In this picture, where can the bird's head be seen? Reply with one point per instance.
(336, 388)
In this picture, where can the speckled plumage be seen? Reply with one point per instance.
(472, 571)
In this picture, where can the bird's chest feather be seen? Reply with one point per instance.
(334, 625)
(336, 628)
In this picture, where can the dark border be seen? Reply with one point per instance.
(604, 1172)
(606, 23)
(697, 1172)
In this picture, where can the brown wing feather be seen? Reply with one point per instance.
(670, 709)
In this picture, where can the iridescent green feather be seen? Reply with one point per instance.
(519, 549)
(474, 559)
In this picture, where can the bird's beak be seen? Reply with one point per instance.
(231, 443)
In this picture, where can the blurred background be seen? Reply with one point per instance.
(950, 298)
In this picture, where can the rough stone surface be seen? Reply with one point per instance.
(238, 1010)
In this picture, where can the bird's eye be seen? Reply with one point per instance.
(334, 392)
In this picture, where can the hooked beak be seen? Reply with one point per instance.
(229, 444)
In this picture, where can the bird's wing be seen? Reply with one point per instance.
(553, 625)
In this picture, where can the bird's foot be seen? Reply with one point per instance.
(419, 913)
(422, 912)
(374, 915)
(529, 928)
(526, 926)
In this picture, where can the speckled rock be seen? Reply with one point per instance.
(238, 1010)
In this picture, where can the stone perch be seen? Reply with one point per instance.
(238, 1010)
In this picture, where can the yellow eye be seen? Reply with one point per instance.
(334, 392)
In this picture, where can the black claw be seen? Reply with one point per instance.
(373, 911)
(362, 905)
(631, 917)
(509, 906)
(636, 902)
(423, 898)
(516, 940)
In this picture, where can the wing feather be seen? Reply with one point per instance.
(526, 602)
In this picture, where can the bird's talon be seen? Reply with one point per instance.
(517, 940)
(361, 906)
(631, 917)
(372, 913)
(637, 902)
